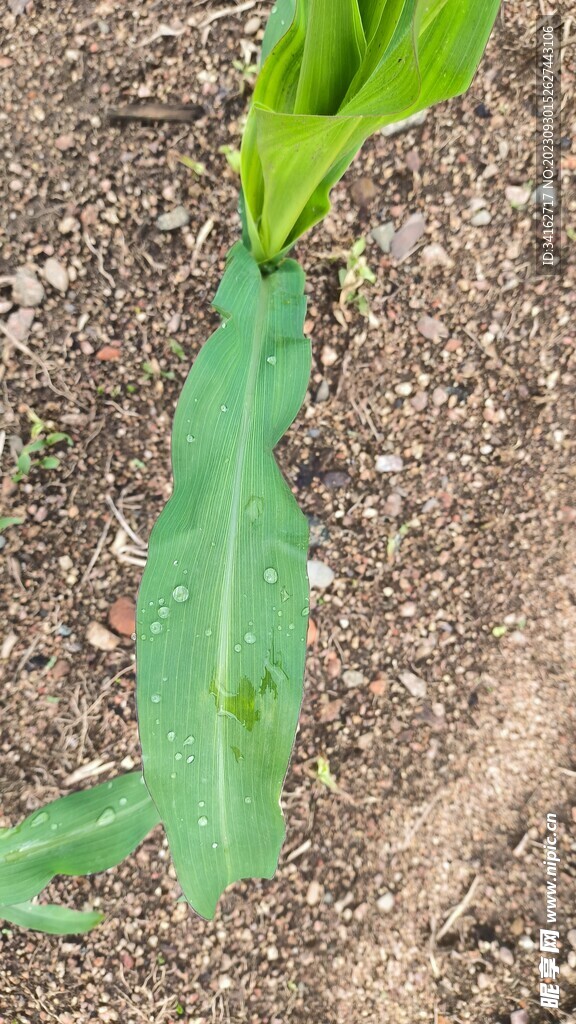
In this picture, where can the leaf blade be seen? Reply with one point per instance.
(51, 918)
(222, 683)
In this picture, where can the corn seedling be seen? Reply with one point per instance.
(223, 605)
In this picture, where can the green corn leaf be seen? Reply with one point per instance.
(7, 521)
(51, 918)
(333, 74)
(221, 618)
(75, 835)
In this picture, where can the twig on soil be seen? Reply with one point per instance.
(299, 851)
(411, 832)
(200, 239)
(96, 555)
(35, 359)
(125, 525)
(458, 910)
(182, 113)
(99, 259)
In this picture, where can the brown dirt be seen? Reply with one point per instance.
(437, 792)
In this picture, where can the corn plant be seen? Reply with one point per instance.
(223, 605)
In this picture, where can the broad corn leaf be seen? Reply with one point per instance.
(75, 835)
(51, 918)
(223, 604)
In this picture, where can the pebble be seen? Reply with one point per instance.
(406, 238)
(5, 306)
(482, 981)
(272, 953)
(174, 219)
(312, 634)
(385, 903)
(323, 393)
(414, 684)
(404, 389)
(506, 956)
(571, 936)
(252, 25)
(65, 563)
(19, 323)
(393, 505)
(519, 1017)
(383, 236)
(108, 354)
(320, 575)
(363, 191)
(419, 401)
(64, 142)
(55, 274)
(481, 219)
(434, 255)
(328, 355)
(414, 121)
(378, 686)
(439, 397)
(98, 636)
(353, 679)
(431, 329)
(389, 464)
(68, 225)
(122, 616)
(408, 610)
(517, 196)
(27, 290)
(336, 479)
(314, 894)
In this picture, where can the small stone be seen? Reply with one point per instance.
(506, 956)
(517, 196)
(68, 225)
(252, 25)
(404, 389)
(481, 218)
(383, 236)
(272, 953)
(439, 397)
(363, 191)
(413, 161)
(366, 740)
(378, 686)
(408, 610)
(419, 401)
(385, 903)
(331, 711)
(108, 354)
(64, 142)
(432, 329)
(571, 936)
(336, 479)
(19, 323)
(320, 575)
(122, 616)
(312, 634)
(434, 255)
(393, 505)
(519, 1017)
(389, 464)
(5, 306)
(414, 121)
(314, 894)
(323, 393)
(65, 563)
(328, 356)
(55, 274)
(27, 290)
(416, 687)
(98, 636)
(409, 234)
(174, 219)
(353, 679)
(483, 981)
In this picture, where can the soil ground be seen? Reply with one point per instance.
(458, 567)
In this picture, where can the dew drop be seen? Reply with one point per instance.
(190, 438)
(271, 360)
(190, 759)
(207, 632)
(270, 575)
(155, 627)
(163, 612)
(250, 638)
(178, 756)
(151, 604)
(175, 562)
(237, 648)
(171, 736)
(54, 827)
(247, 799)
(284, 594)
(214, 846)
(161, 600)
(305, 612)
(155, 698)
(172, 775)
(107, 817)
(189, 740)
(202, 820)
(180, 594)
(123, 801)
(201, 803)
(223, 408)
(39, 819)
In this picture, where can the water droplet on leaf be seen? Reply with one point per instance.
(39, 819)
(250, 638)
(202, 820)
(270, 575)
(155, 627)
(107, 817)
(155, 698)
(180, 594)
(171, 736)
